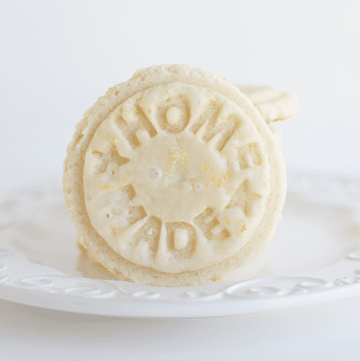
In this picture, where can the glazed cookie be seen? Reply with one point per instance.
(174, 178)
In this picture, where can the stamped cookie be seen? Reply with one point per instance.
(173, 178)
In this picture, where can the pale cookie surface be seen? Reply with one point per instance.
(273, 105)
(173, 178)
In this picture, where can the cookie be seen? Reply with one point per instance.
(174, 178)
(273, 105)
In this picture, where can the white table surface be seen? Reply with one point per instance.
(329, 331)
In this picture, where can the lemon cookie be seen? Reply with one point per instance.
(175, 178)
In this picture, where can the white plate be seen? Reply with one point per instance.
(314, 257)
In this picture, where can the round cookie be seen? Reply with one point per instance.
(173, 178)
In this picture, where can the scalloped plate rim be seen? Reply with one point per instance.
(129, 300)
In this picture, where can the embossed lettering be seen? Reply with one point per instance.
(149, 234)
(210, 128)
(210, 226)
(173, 115)
(249, 156)
(135, 126)
(181, 239)
(111, 159)
(244, 198)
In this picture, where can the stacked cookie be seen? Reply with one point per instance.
(175, 177)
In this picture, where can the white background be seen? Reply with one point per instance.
(57, 57)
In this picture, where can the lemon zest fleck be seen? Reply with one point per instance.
(104, 186)
(178, 154)
(115, 229)
(242, 228)
(205, 167)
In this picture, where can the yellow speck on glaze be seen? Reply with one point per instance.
(205, 167)
(227, 220)
(172, 161)
(177, 154)
(104, 186)
(183, 154)
(242, 228)
(115, 230)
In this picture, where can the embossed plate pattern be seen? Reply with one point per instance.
(314, 257)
